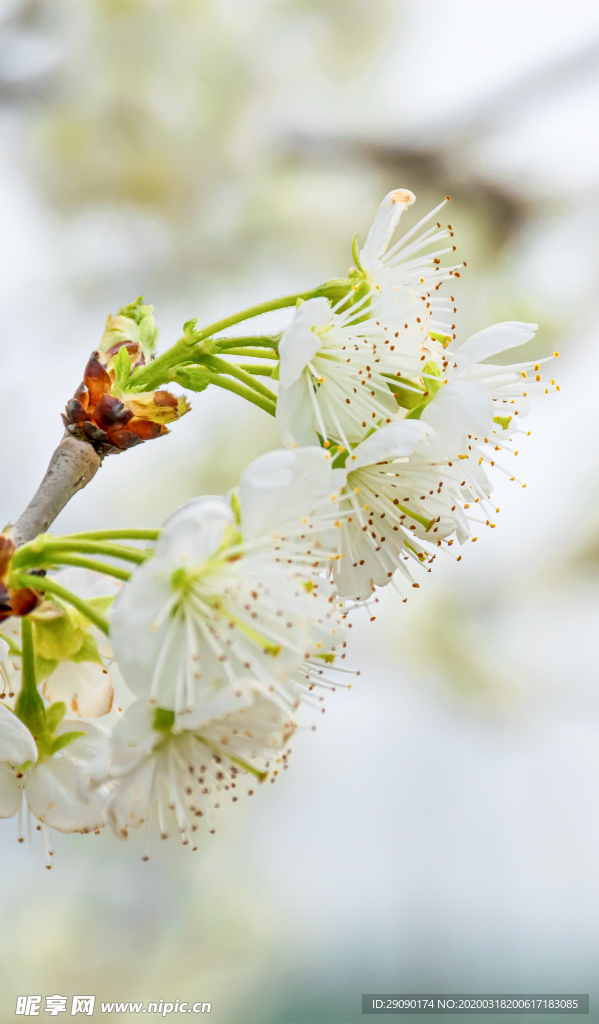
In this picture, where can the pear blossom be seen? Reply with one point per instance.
(400, 502)
(158, 766)
(60, 778)
(233, 598)
(335, 367)
(475, 407)
(409, 281)
(413, 483)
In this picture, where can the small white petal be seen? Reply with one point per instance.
(16, 742)
(492, 340)
(11, 794)
(280, 487)
(295, 415)
(59, 794)
(392, 441)
(385, 222)
(300, 343)
(459, 408)
(85, 687)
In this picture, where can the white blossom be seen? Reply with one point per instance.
(62, 789)
(413, 484)
(335, 368)
(159, 767)
(233, 598)
(408, 280)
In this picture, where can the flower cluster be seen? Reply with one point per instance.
(232, 612)
(413, 416)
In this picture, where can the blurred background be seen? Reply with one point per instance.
(440, 830)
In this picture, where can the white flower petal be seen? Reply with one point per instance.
(133, 736)
(299, 342)
(16, 742)
(385, 221)
(85, 687)
(492, 340)
(11, 794)
(459, 408)
(130, 803)
(58, 794)
(279, 488)
(263, 726)
(4, 648)
(392, 441)
(194, 531)
(295, 415)
(90, 751)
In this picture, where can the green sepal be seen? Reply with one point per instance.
(355, 251)
(101, 604)
(432, 386)
(404, 396)
(231, 537)
(163, 720)
(13, 648)
(55, 714)
(44, 667)
(339, 459)
(88, 652)
(65, 739)
(235, 506)
(275, 373)
(443, 339)
(416, 413)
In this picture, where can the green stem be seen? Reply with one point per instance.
(233, 370)
(35, 555)
(260, 371)
(148, 377)
(29, 684)
(254, 353)
(94, 547)
(90, 563)
(252, 311)
(114, 535)
(50, 586)
(257, 340)
(29, 706)
(247, 393)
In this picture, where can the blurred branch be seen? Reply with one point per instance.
(72, 466)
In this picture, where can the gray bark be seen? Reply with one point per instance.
(72, 466)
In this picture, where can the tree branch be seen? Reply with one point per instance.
(72, 466)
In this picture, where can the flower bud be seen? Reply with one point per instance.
(102, 410)
(157, 406)
(135, 326)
